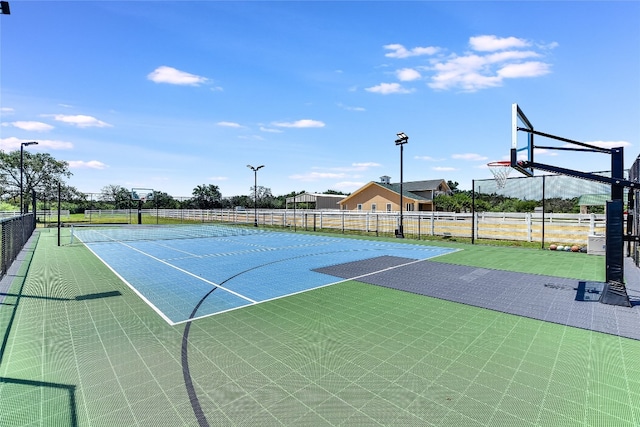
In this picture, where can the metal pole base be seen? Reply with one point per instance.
(615, 293)
(400, 233)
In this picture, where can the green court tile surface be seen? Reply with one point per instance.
(551, 263)
(347, 354)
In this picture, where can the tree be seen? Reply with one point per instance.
(163, 201)
(241, 201)
(206, 197)
(39, 170)
(264, 198)
(116, 194)
(453, 185)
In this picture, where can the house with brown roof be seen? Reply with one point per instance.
(384, 196)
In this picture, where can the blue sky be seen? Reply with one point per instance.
(171, 95)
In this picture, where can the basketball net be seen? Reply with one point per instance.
(501, 171)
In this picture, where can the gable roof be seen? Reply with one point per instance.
(431, 184)
(408, 188)
(405, 192)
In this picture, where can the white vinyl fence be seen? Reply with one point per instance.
(529, 227)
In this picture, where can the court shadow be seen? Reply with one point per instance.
(98, 295)
(589, 291)
(41, 394)
(78, 298)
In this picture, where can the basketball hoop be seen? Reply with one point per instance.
(500, 170)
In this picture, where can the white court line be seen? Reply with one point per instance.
(317, 287)
(250, 301)
(153, 306)
(133, 288)
(190, 273)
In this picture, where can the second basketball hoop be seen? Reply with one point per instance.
(500, 170)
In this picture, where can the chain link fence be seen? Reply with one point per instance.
(560, 209)
(544, 210)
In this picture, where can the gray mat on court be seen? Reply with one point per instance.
(548, 298)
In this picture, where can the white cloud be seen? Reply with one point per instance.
(348, 108)
(469, 156)
(6, 110)
(91, 164)
(30, 126)
(365, 165)
(399, 51)
(13, 143)
(444, 169)
(407, 74)
(304, 123)
(170, 75)
(526, 69)
(271, 130)
(218, 178)
(81, 121)
(348, 185)
(473, 72)
(388, 88)
(487, 64)
(230, 124)
(427, 158)
(489, 43)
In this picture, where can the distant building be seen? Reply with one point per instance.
(315, 201)
(384, 196)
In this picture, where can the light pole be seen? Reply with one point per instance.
(255, 193)
(402, 139)
(22, 145)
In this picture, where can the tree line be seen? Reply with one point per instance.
(463, 201)
(44, 175)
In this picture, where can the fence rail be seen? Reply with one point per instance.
(529, 227)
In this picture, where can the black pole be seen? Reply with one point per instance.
(255, 197)
(21, 162)
(402, 139)
(473, 211)
(58, 213)
(544, 208)
(401, 228)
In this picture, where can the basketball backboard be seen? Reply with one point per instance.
(142, 194)
(521, 141)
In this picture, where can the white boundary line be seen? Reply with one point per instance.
(317, 287)
(250, 301)
(188, 273)
(153, 306)
(133, 288)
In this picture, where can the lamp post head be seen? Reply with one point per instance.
(255, 169)
(24, 144)
(402, 138)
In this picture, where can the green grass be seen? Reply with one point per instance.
(348, 354)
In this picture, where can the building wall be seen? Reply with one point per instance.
(328, 202)
(379, 196)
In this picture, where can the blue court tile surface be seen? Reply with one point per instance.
(190, 278)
